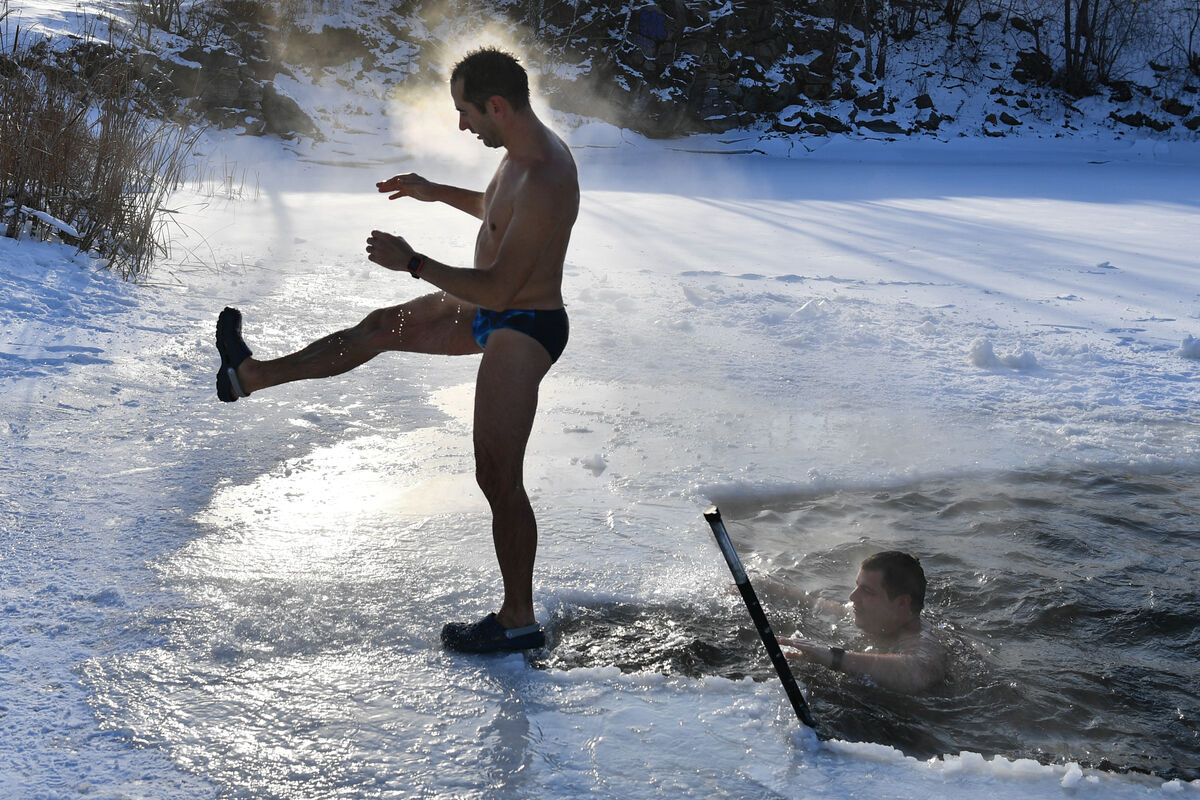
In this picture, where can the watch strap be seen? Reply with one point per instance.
(836, 654)
(415, 264)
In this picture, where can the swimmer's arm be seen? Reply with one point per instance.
(807, 599)
(418, 188)
(899, 672)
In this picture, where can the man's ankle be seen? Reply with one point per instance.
(511, 621)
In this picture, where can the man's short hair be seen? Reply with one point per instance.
(487, 72)
(902, 574)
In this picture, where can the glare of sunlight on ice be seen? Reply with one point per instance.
(456, 401)
(315, 512)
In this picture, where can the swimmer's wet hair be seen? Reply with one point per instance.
(902, 574)
(487, 72)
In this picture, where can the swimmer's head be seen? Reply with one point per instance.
(902, 574)
(889, 592)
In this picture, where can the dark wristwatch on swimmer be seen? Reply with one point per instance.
(415, 264)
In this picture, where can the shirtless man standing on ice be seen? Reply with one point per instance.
(508, 306)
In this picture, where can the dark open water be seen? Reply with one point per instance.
(1069, 601)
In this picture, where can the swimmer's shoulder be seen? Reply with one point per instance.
(925, 645)
(932, 653)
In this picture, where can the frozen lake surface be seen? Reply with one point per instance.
(982, 352)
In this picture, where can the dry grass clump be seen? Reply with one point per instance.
(83, 157)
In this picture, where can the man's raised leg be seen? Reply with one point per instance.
(434, 323)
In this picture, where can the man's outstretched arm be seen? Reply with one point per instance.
(418, 188)
(900, 672)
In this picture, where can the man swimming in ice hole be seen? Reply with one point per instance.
(888, 597)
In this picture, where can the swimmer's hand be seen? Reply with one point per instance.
(388, 250)
(804, 650)
(408, 185)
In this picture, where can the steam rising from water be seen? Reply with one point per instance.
(423, 119)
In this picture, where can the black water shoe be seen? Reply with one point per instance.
(233, 352)
(489, 636)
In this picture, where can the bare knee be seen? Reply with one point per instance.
(501, 482)
(382, 329)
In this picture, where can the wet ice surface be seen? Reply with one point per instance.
(244, 600)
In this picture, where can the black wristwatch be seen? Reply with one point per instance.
(414, 265)
(836, 654)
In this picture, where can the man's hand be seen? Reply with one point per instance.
(808, 651)
(389, 251)
(410, 185)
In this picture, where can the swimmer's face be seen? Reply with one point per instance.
(873, 611)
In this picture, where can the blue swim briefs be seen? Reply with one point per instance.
(549, 328)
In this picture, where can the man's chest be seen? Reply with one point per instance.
(500, 200)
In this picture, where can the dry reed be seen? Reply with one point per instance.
(83, 155)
